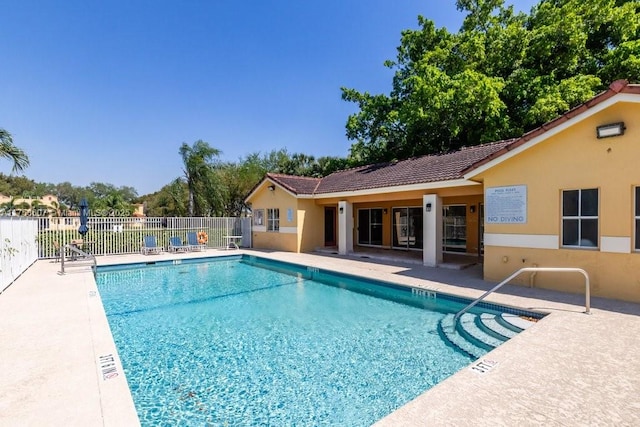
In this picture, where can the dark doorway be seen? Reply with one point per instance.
(329, 226)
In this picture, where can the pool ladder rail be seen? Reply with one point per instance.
(79, 258)
(475, 334)
(535, 270)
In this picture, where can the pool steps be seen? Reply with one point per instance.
(491, 325)
(477, 334)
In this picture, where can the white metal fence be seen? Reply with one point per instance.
(18, 247)
(124, 235)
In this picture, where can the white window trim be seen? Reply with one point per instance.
(579, 218)
(272, 222)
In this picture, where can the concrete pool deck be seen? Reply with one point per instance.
(61, 366)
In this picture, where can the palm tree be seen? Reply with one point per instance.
(115, 204)
(9, 207)
(23, 208)
(37, 207)
(197, 171)
(54, 209)
(8, 150)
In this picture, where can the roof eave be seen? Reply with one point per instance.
(548, 130)
(276, 183)
(398, 188)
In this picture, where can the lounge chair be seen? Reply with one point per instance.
(149, 246)
(176, 245)
(195, 243)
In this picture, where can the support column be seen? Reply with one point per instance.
(345, 228)
(432, 230)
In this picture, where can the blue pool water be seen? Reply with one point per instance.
(223, 342)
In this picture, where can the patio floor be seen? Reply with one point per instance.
(61, 366)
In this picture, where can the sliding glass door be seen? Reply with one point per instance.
(370, 227)
(407, 228)
(454, 218)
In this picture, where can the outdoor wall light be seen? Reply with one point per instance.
(384, 211)
(613, 129)
(472, 208)
(271, 187)
(341, 209)
(428, 207)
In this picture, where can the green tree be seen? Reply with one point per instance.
(327, 165)
(113, 204)
(9, 151)
(238, 179)
(100, 190)
(198, 167)
(171, 200)
(502, 74)
(17, 186)
(68, 194)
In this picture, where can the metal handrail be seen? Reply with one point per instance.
(533, 269)
(78, 251)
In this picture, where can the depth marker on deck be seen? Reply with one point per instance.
(483, 366)
(108, 369)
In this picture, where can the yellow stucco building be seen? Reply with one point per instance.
(564, 195)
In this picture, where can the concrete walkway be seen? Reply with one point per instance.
(571, 369)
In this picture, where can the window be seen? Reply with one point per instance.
(273, 219)
(258, 217)
(580, 218)
(637, 217)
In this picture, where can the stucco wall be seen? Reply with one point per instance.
(311, 225)
(573, 159)
(286, 239)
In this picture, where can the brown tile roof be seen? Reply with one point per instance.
(432, 168)
(418, 170)
(295, 184)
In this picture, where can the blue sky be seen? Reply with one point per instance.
(107, 91)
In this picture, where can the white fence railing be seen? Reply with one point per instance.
(124, 235)
(18, 247)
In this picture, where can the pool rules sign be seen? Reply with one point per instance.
(506, 205)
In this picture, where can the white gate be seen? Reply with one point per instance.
(18, 247)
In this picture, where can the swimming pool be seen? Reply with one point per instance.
(245, 341)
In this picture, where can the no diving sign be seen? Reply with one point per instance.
(506, 205)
